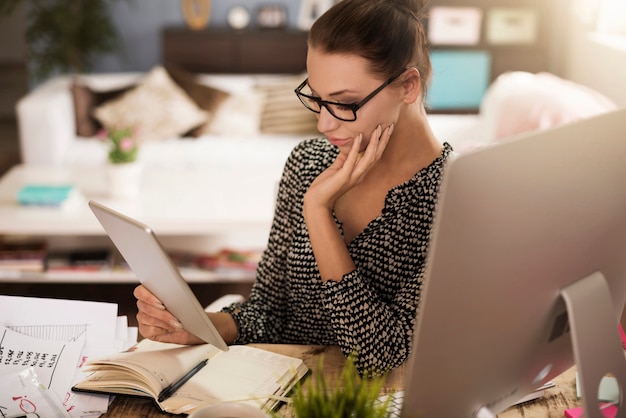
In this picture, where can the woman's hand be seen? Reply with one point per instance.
(157, 323)
(348, 170)
(329, 247)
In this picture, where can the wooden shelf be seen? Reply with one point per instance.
(221, 50)
(121, 276)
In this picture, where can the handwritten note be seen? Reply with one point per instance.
(54, 362)
(56, 331)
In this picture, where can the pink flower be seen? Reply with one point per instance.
(102, 134)
(127, 144)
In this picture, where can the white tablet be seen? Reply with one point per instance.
(148, 260)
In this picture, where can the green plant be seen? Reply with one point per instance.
(353, 396)
(65, 35)
(123, 146)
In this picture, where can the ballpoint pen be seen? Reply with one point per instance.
(171, 389)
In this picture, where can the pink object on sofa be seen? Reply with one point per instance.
(608, 411)
(519, 102)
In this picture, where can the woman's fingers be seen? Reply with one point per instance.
(378, 143)
(375, 148)
(158, 317)
(143, 294)
(154, 321)
(163, 327)
(353, 155)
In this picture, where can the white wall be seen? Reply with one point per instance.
(595, 61)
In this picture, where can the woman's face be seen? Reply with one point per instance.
(344, 78)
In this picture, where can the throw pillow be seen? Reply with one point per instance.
(239, 115)
(282, 112)
(85, 101)
(518, 102)
(157, 109)
(206, 97)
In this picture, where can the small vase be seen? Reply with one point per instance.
(124, 179)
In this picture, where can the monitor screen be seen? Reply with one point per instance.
(526, 273)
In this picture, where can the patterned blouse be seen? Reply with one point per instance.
(371, 311)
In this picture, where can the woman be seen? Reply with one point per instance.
(346, 251)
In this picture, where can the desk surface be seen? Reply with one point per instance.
(556, 400)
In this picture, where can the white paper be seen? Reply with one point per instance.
(99, 317)
(60, 321)
(54, 362)
(21, 393)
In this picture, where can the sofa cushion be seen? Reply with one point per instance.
(238, 115)
(206, 97)
(282, 111)
(157, 108)
(86, 100)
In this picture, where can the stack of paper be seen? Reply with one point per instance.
(43, 345)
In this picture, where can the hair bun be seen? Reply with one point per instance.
(414, 7)
(418, 5)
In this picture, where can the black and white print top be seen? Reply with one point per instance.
(371, 311)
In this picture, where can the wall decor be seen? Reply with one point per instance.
(460, 79)
(510, 25)
(196, 13)
(271, 16)
(310, 10)
(454, 25)
(238, 17)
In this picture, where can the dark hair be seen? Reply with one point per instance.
(388, 33)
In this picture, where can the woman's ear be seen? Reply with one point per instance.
(412, 85)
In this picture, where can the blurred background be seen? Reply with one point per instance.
(580, 40)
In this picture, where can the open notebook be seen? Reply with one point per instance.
(242, 374)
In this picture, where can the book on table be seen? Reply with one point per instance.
(52, 195)
(242, 374)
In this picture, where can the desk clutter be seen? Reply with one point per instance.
(44, 345)
(66, 358)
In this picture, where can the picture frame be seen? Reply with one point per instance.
(271, 16)
(512, 26)
(454, 25)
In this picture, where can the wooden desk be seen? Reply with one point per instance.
(557, 399)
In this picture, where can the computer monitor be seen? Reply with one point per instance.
(526, 273)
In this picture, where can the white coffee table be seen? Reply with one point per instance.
(186, 207)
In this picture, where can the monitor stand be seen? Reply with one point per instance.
(595, 340)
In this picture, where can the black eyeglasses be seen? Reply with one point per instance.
(342, 111)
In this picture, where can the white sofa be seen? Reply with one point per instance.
(47, 130)
(515, 102)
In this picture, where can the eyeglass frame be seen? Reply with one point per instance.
(352, 106)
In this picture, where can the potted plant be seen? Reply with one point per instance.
(123, 170)
(352, 396)
(123, 146)
(65, 35)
